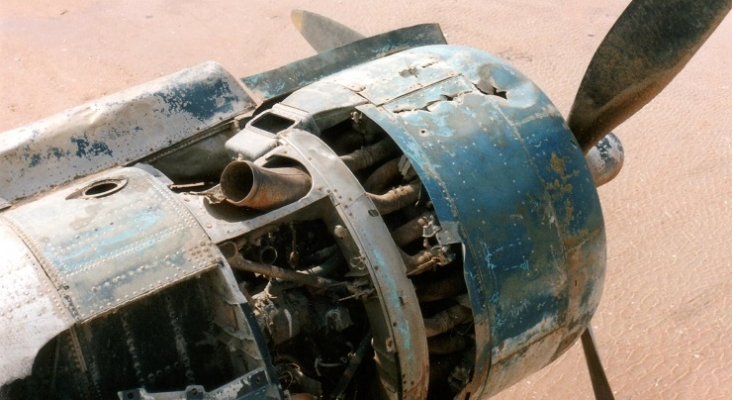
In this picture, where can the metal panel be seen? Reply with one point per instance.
(284, 80)
(102, 252)
(499, 161)
(117, 129)
(399, 344)
(31, 310)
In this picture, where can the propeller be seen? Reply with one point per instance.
(323, 33)
(600, 385)
(648, 45)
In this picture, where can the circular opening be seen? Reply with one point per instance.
(237, 180)
(103, 188)
(268, 255)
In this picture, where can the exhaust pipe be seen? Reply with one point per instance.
(248, 185)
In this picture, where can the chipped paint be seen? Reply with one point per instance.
(117, 129)
(285, 80)
(501, 163)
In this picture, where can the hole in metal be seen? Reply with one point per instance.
(103, 188)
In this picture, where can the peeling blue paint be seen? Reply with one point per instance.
(515, 158)
(202, 100)
(87, 149)
(35, 159)
(56, 152)
(123, 128)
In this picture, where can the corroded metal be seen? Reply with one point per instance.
(484, 152)
(117, 129)
(499, 161)
(398, 329)
(248, 185)
(285, 80)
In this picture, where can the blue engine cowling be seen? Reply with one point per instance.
(507, 180)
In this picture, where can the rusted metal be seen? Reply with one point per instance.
(400, 347)
(648, 45)
(396, 198)
(447, 344)
(382, 177)
(446, 320)
(524, 228)
(370, 155)
(248, 185)
(411, 231)
(328, 267)
(442, 289)
(492, 159)
(420, 262)
(271, 271)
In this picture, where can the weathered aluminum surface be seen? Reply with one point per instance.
(103, 252)
(285, 80)
(399, 344)
(328, 103)
(510, 176)
(605, 159)
(260, 134)
(117, 129)
(31, 310)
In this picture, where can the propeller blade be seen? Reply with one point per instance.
(323, 33)
(648, 45)
(600, 385)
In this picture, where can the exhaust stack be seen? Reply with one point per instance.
(248, 185)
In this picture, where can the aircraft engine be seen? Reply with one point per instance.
(420, 225)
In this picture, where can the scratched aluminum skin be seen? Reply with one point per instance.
(117, 129)
(507, 176)
(31, 310)
(291, 77)
(101, 253)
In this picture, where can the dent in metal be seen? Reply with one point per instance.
(285, 80)
(499, 161)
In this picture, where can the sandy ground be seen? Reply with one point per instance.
(665, 323)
